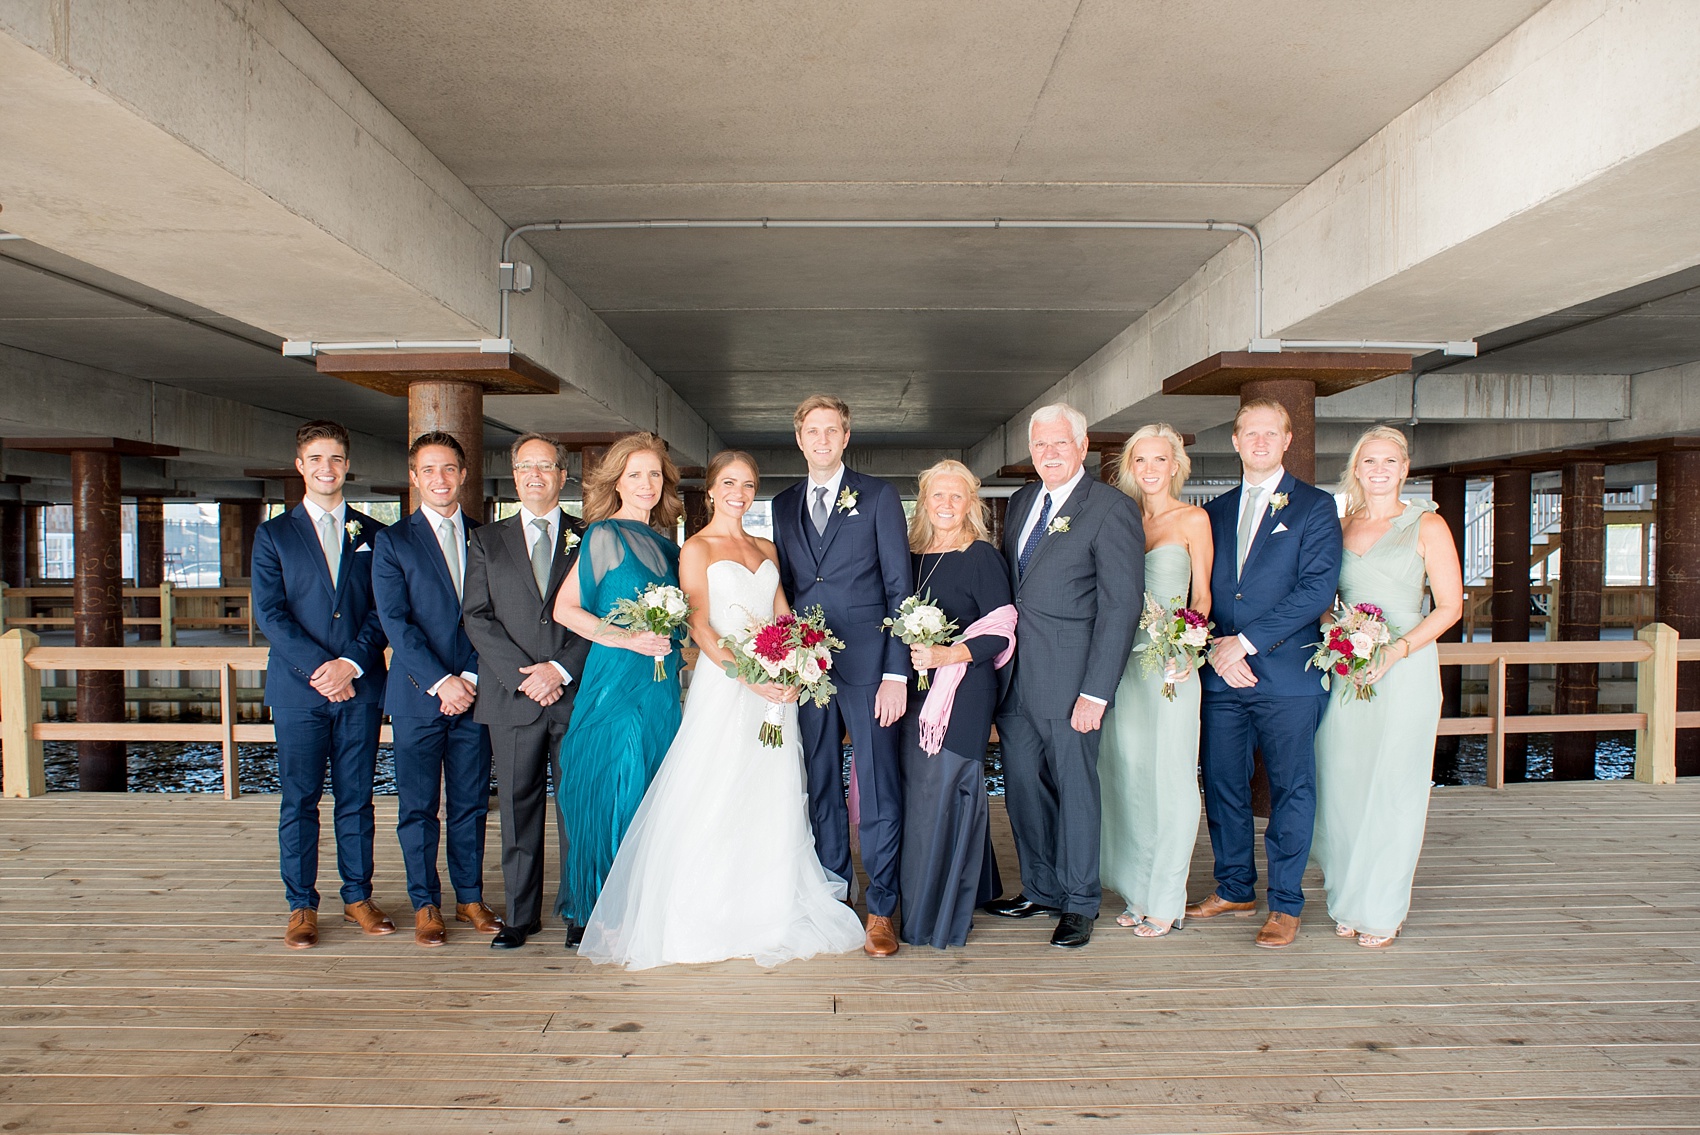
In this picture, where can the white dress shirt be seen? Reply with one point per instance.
(434, 521)
(338, 517)
(1269, 484)
(1059, 498)
(553, 518)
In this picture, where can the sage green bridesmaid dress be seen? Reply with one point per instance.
(1148, 770)
(1375, 759)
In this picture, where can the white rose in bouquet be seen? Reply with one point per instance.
(677, 606)
(811, 670)
(1363, 644)
(1195, 636)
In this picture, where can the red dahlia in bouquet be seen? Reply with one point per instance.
(1354, 638)
(789, 650)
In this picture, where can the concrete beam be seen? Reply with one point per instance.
(265, 183)
(1445, 397)
(1556, 167)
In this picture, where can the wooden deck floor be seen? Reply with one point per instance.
(1549, 980)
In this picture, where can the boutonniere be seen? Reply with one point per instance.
(570, 541)
(847, 501)
(353, 529)
(1060, 524)
(1277, 501)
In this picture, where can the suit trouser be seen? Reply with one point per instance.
(879, 787)
(341, 738)
(1284, 728)
(1051, 789)
(452, 752)
(523, 755)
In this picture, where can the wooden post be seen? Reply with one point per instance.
(1496, 737)
(32, 544)
(98, 606)
(168, 615)
(227, 724)
(1511, 504)
(150, 563)
(1298, 395)
(1655, 696)
(21, 767)
(13, 569)
(997, 509)
(1582, 566)
(1677, 589)
(2, 608)
(456, 407)
(1450, 491)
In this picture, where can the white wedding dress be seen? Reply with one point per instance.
(719, 861)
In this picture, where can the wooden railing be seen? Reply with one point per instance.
(1655, 653)
(172, 601)
(1631, 607)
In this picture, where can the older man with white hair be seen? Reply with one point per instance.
(1076, 552)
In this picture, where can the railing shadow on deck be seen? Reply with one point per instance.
(1655, 652)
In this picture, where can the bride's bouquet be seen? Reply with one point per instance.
(789, 650)
(1178, 637)
(921, 622)
(660, 607)
(1355, 637)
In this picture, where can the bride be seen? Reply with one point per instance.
(719, 861)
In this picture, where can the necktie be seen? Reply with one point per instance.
(451, 552)
(331, 540)
(540, 555)
(818, 512)
(1248, 525)
(1037, 534)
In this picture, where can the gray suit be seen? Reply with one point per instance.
(511, 625)
(1079, 604)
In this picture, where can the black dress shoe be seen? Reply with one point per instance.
(575, 935)
(513, 937)
(1073, 931)
(1018, 907)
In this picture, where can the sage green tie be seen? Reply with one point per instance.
(1248, 525)
(540, 554)
(451, 553)
(331, 540)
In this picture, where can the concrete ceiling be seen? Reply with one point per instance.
(1085, 108)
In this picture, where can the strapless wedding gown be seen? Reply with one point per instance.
(719, 861)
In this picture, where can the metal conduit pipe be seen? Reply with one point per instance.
(903, 223)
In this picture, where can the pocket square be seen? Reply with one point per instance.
(1278, 528)
(364, 548)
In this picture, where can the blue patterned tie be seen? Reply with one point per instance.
(1037, 534)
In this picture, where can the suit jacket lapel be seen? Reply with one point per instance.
(312, 549)
(348, 546)
(424, 533)
(562, 562)
(834, 518)
(516, 545)
(1078, 503)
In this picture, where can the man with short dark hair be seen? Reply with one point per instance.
(418, 576)
(312, 583)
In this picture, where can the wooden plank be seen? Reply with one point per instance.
(248, 659)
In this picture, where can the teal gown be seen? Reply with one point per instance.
(623, 719)
(1148, 770)
(1375, 759)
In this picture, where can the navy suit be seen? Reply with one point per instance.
(422, 617)
(309, 620)
(1276, 601)
(858, 573)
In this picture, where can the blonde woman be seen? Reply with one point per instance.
(1374, 758)
(1148, 759)
(947, 863)
(623, 719)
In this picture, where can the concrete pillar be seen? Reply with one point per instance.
(1582, 578)
(32, 543)
(1450, 491)
(150, 560)
(98, 609)
(1298, 395)
(696, 509)
(1511, 505)
(1677, 582)
(455, 407)
(13, 569)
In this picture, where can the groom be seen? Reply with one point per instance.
(843, 544)
(1277, 564)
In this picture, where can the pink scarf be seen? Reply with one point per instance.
(941, 696)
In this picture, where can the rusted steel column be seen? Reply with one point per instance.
(1450, 492)
(1582, 578)
(98, 607)
(1109, 464)
(456, 408)
(294, 491)
(150, 560)
(696, 510)
(589, 457)
(14, 571)
(1677, 582)
(1298, 395)
(996, 509)
(32, 543)
(1511, 505)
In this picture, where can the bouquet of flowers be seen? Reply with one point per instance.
(1178, 636)
(792, 650)
(1355, 637)
(660, 607)
(921, 622)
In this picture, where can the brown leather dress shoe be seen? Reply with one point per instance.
(303, 930)
(882, 937)
(1215, 904)
(1278, 930)
(428, 928)
(368, 916)
(483, 919)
